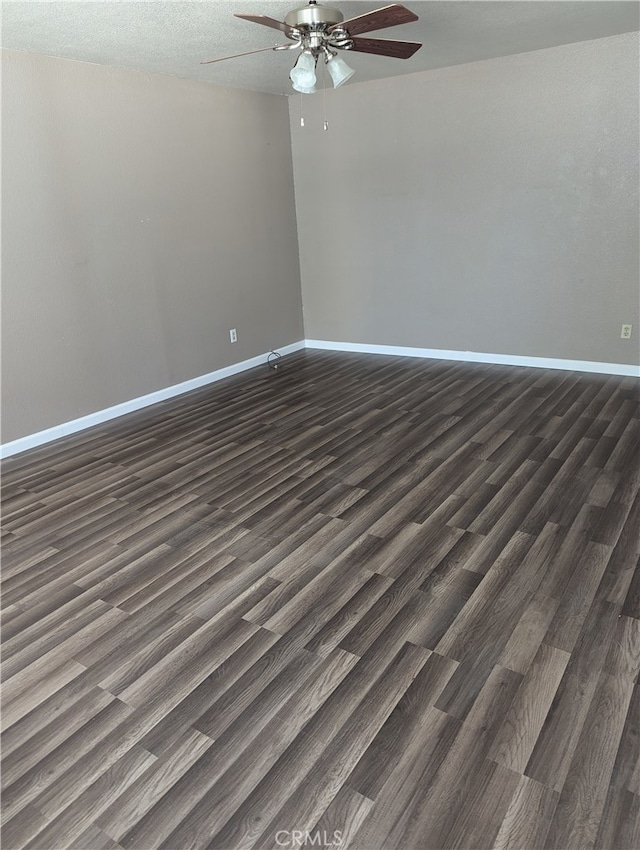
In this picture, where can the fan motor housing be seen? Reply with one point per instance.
(314, 16)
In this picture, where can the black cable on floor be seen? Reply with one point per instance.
(272, 360)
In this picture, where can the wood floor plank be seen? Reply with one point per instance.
(631, 605)
(623, 660)
(582, 800)
(195, 658)
(485, 808)
(526, 822)
(22, 828)
(34, 749)
(525, 640)
(269, 676)
(190, 807)
(442, 599)
(386, 749)
(620, 823)
(517, 737)
(401, 594)
(47, 684)
(391, 599)
(189, 711)
(47, 712)
(238, 782)
(340, 624)
(343, 817)
(24, 668)
(626, 770)
(444, 800)
(426, 750)
(128, 673)
(96, 839)
(470, 627)
(122, 813)
(329, 763)
(44, 774)
(313, 605)
(559, 736)
(78, 816)
(56, 625)
(58, 573)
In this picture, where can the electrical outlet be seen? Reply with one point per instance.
(233, 335)
(625, 333)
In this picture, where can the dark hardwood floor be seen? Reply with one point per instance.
(391, 602)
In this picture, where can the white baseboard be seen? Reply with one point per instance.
(479, 357)
(66, 428)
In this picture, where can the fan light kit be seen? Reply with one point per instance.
(318, 31)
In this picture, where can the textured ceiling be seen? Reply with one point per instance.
(173, 37)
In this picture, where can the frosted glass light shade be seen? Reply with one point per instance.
(339, 70)
(303, 73)
(303, 89)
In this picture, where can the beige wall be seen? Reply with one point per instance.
(488, 207)
(143, 216)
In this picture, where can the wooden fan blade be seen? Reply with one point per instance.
(386, 47)
(388, 16)
(265, 21)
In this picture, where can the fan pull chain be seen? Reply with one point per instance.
(301, 115)
(325, 123)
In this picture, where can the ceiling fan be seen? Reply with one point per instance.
(321, 31)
